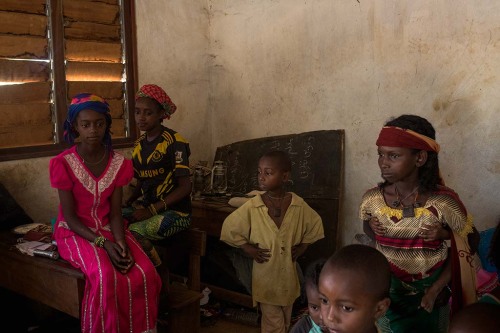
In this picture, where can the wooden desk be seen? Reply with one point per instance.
(209, 214)
(52, 282)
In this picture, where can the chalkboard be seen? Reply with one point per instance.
(317, 174)
(317, 162)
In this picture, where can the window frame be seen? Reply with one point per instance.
(60, 84)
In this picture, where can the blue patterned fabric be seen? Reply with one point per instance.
(484, 248)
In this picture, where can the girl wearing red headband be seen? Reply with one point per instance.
(410, 215)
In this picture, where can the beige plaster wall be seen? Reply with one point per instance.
(289, 66)
(244, 69)
(28, 182)
(172, 52)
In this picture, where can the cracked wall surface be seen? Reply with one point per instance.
(243, 69)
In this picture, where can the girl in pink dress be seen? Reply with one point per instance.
(121, 284)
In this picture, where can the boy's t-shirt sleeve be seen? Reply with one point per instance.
(314, 228)
(236, 227)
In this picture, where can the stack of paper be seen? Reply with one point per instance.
(29, 247)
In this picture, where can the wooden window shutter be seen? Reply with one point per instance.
(94, 55)
(51, 50)
(25, 75)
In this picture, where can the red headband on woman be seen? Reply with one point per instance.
(391, 136)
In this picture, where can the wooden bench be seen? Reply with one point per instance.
(59, 285)
(52, 282)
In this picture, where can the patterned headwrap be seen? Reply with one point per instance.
(391, 136)
(86, 101)
(159, 95)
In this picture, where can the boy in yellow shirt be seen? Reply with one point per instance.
(274, 228)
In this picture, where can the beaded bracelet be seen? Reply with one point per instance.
(99, 241)
(164, 204)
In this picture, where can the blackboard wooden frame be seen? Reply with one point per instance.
(317, 176)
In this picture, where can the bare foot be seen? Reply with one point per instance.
(429, 298)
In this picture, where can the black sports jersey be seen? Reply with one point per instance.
(157, 164)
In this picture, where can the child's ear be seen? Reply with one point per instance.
(286, 176)
(381, 307)
(421, 158)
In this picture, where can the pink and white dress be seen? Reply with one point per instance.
(112, 301)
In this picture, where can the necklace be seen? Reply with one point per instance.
(284, 196)
(276, 210)
(400, 201)
(92, 163)
(408, 211)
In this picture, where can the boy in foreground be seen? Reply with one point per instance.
(354, 289)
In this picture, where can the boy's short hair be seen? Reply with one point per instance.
(281, 157)
(311, 276)
(368, 263)
(476, 317)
